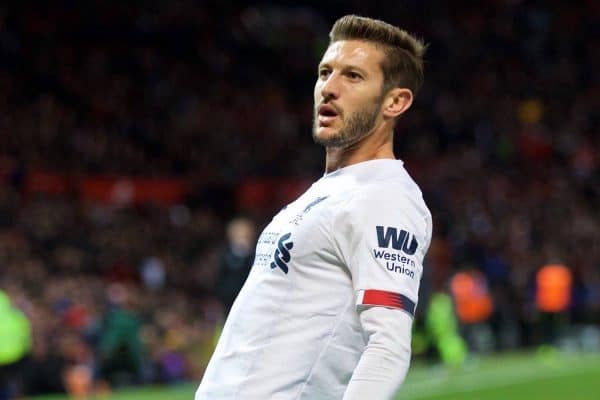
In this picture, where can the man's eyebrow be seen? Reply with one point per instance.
(346, 68)
(351, 67)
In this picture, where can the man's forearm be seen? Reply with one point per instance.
(385, 361)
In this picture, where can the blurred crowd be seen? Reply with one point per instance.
(125, 293)
(503, 140)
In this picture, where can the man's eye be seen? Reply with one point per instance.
(323, 73)
(354, 75)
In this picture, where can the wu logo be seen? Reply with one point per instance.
(282, 254)
(399, 240)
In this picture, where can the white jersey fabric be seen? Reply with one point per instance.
(355, 239)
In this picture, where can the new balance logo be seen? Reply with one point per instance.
(314, 203)
(399, 240)
(282, 254)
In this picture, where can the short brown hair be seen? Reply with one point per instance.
(403, 65)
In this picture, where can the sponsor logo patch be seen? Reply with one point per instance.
(399, 240)
(405, 243)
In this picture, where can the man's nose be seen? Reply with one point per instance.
(330, 89)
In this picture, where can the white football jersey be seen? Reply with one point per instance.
(356, 238)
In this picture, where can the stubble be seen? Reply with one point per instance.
(358, 125)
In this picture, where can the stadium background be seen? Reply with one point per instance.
(132, 133)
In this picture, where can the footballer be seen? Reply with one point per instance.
(327, 310)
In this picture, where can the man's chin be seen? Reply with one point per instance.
(326, 136)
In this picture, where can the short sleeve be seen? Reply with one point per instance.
(382, 237)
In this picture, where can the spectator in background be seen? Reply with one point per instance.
(120, 345)
(473, 307)
(442, 330)
(553, 285)
(15, 343)
(236, 260)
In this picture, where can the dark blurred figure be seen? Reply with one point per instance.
(15, 343)
(236, 260)
(44, 370)
(121, 350)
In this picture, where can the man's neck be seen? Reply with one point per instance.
(373, 147)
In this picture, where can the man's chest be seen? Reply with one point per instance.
(301, 236)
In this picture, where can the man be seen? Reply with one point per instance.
(236, 260)
(326, 312)
(15, 343)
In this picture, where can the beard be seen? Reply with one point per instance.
(359, 125)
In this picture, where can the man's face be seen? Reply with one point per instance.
(348, 93)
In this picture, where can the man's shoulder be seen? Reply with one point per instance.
(390, 191)
(384, 201)
(381, 190)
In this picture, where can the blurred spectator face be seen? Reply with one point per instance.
(153, 273)
(241, 233)
(348, 93)
(117, 294)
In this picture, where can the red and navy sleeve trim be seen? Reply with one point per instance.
(372, 297)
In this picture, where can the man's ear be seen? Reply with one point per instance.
(397, 101)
